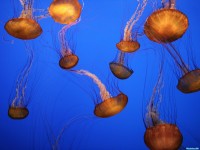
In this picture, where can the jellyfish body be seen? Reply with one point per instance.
(17, 112)
(166, 24)
(190, 82)
(24, 27)
(119, 69)
(65, 11)
(68, 59)
(18, 107)
(109, 106)
(128, 44)
(163, 137)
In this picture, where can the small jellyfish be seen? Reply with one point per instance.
(128, 44)
(67, 58)
(18, 106)
(109, 106)
(189, 80)
(119, 68)
(65, 11)
(166, 24)
(160, 134)
(25, 26)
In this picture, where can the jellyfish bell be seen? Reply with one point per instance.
(120, 71)
(17, 112)
(128, 46)
(68, 61)
(65, 11)
(111, 106)
(190, 82)
(166, 25)
(163, 136)
(24, 27)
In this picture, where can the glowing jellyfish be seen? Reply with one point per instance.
(159, 134)
(166, 24)
(68, 59)
(189, 80)
(65, 11)
(109, 106)
(128, 44)
(18, 107)
(25, 27)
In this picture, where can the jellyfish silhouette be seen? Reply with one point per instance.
(160, 134)
(25, 26)
(189, 80)
(109, 106)
(18, 106)
(65, 11)
(67, 58)
(166, 24)
(128, 44)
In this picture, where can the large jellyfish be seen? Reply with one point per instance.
(18, 106)
(160, 134)
(109, 106)
(166, 24)
(65, 11)
(128, 44)
(25, 26)
(68, 58)
(189, 80)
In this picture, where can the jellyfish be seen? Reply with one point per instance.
(18, 106)
(65, 11)
(67, 58)
(189, 80)
(109, 106)
(128, 44)
(166, 24)
(119, 68)
(160, 134)
(25, 26)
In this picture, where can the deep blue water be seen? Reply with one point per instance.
(57, 97)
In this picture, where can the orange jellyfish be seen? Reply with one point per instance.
(189, 80)
(25, 27)
(128, 44)
(18, 106)
(67, 58)
(65, 11)
(166, 24)
(109, 106)
(160, 134)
